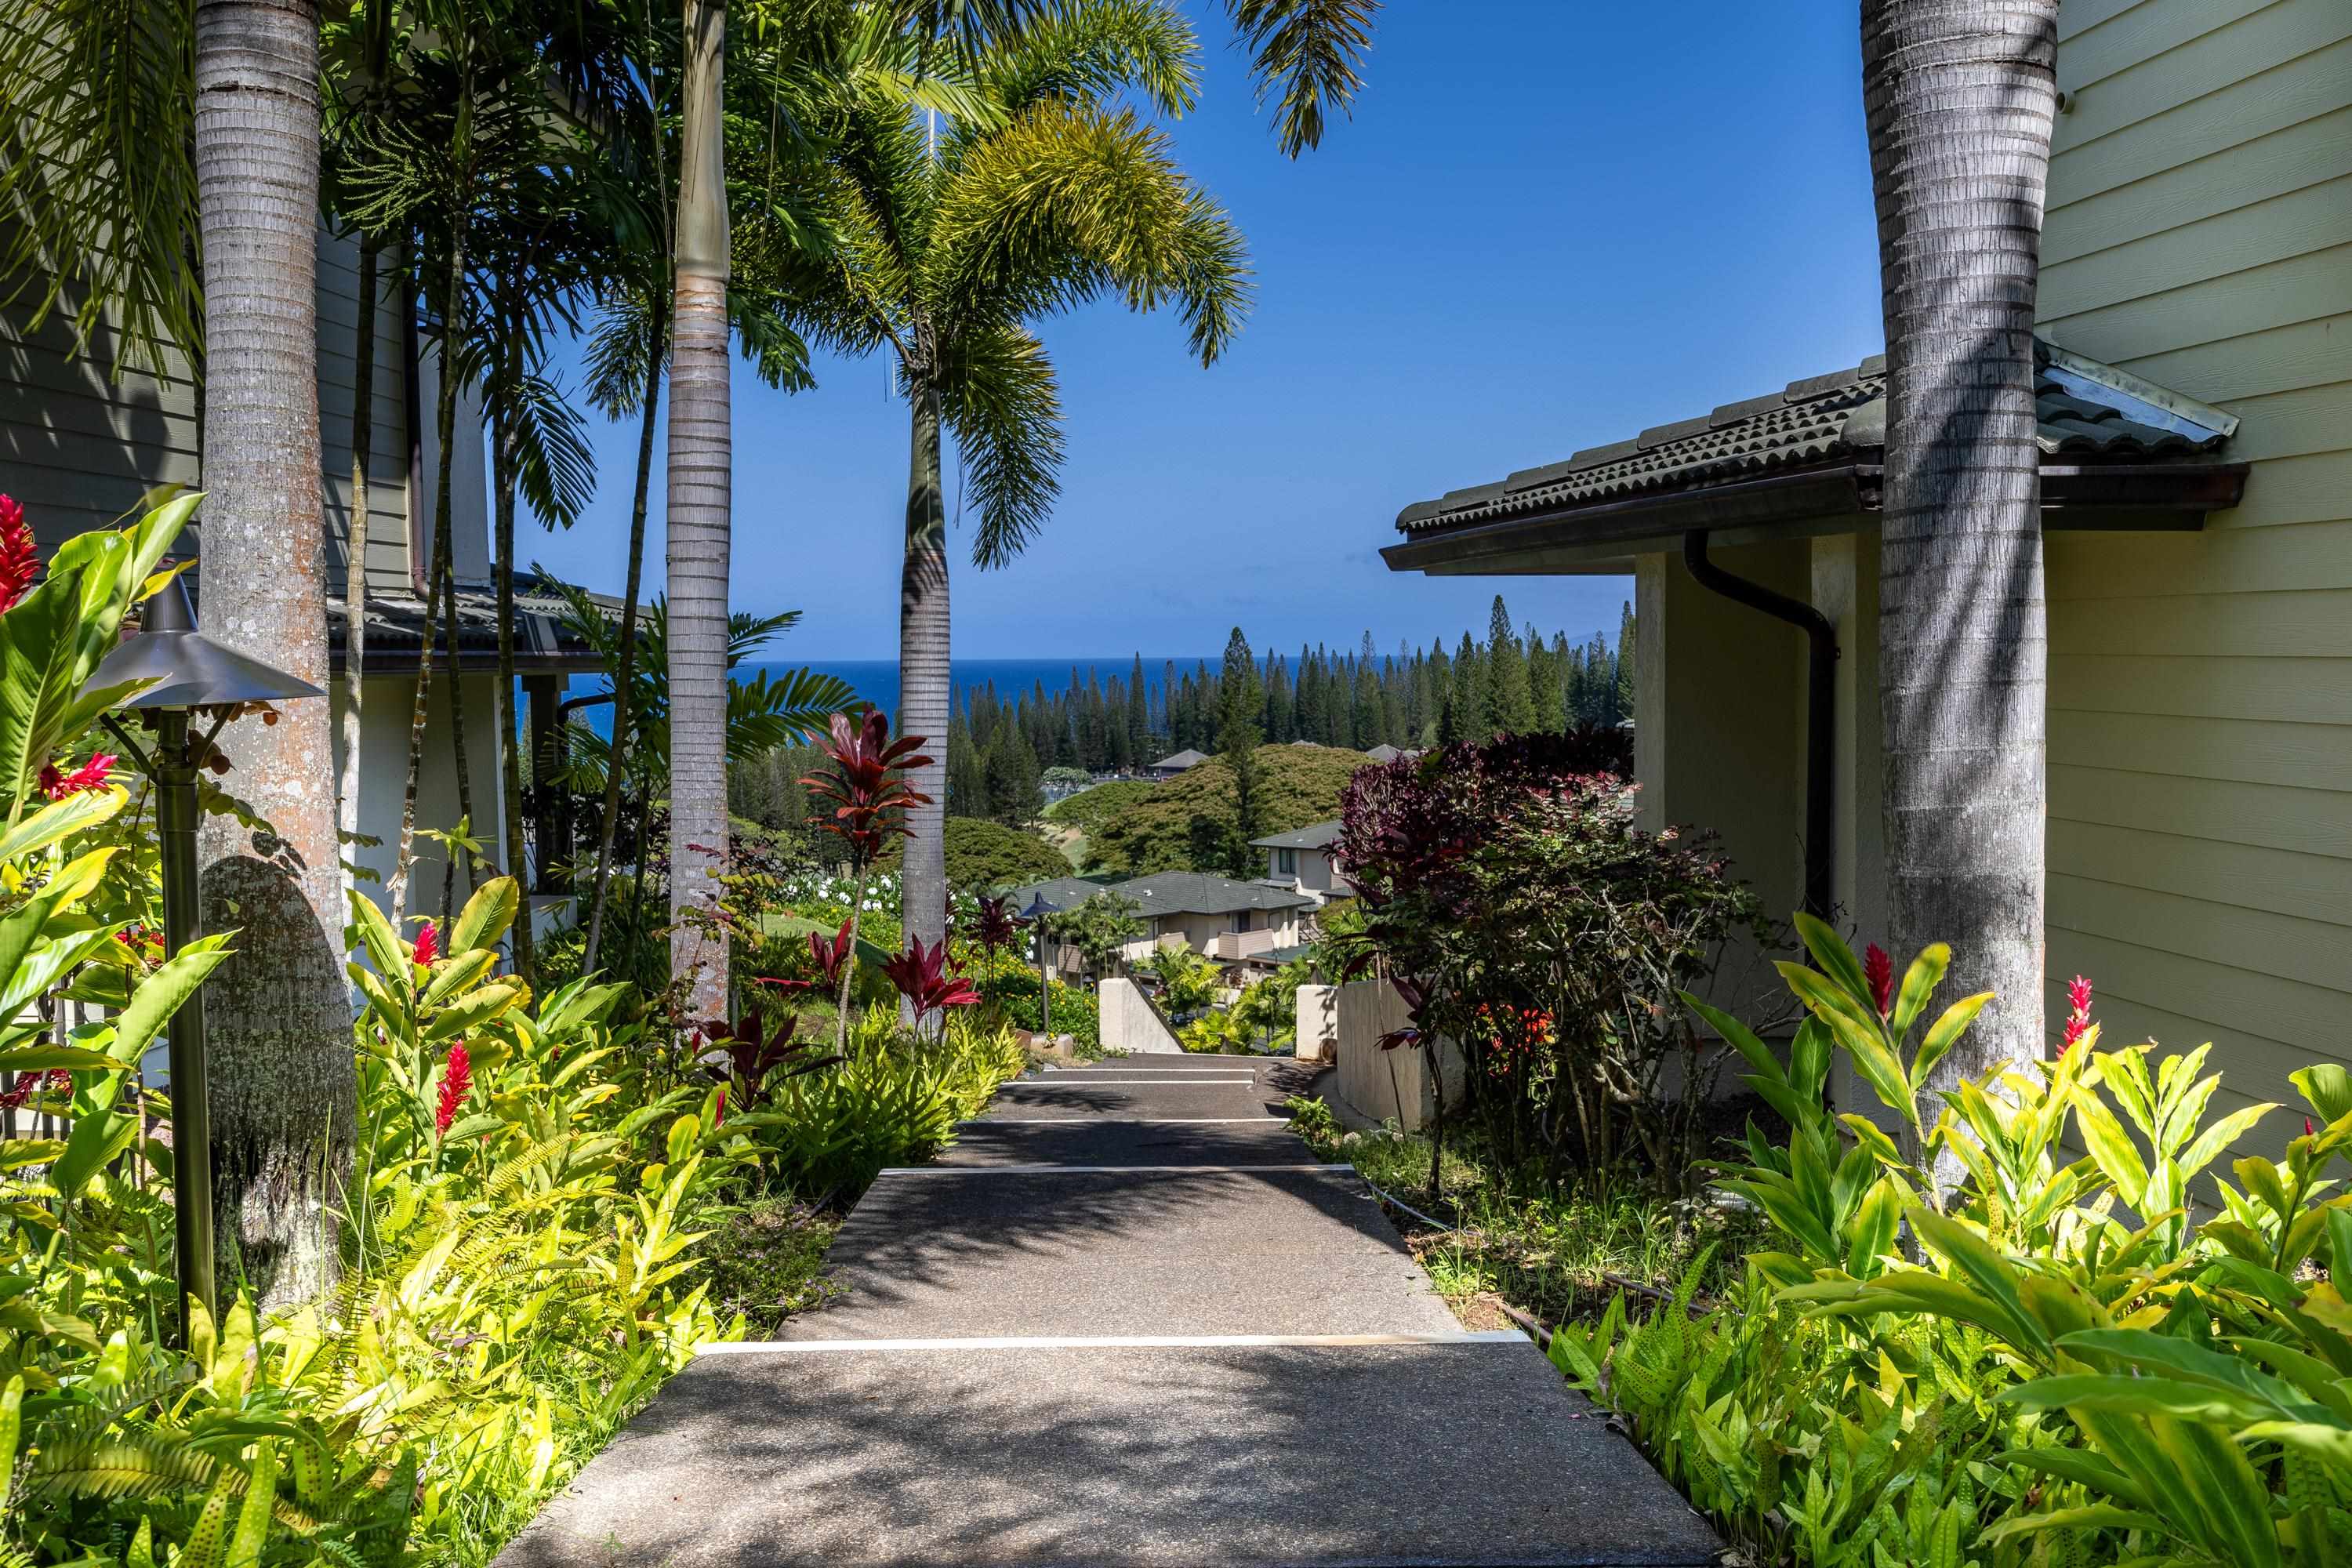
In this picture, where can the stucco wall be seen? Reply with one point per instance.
(1130, 1022)
(1718, 736)
(2199, 234)
(1388, 1085)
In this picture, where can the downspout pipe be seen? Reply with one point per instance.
(1820, 706)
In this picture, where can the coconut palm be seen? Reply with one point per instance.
(1959, 95)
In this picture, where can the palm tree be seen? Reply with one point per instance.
(282, 1084)
(1307, 50)
(1043, 200)
(1959, 95)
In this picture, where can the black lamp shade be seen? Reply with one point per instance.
(1038, 909)
(188, 669)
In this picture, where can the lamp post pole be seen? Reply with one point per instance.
(192, 1132)
(178, 673)
(1035, 914)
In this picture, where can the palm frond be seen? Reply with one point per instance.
(1068, 203)
(1090, 53)
(1000, 401)
(1306, 54)
(614, 357)
(555, 469)
(97, 179)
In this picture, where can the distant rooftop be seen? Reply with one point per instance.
(1314, 835)
(1187, 758)
(1168, 893)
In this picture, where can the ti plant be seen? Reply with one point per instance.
(865, 778)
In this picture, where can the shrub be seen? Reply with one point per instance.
(2059, 1364)
(893, 1100)
(1528, 920)
(984, 855)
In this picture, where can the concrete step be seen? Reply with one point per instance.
(1257, 1141)
(969, 1251)
(1136, 1097)
(1469, 1450)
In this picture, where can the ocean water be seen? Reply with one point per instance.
(876, 680)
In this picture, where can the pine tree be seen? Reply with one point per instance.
(1281, 708)
(1139, 717)
(1506, 675)
(1013, 797)
(1241, 701)
(1625, 639)
(1544, 697)
(1474, 719)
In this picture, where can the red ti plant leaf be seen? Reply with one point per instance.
(756, 1053)
(996, 926)
(921, 975)
(863, 781)
(831, 955)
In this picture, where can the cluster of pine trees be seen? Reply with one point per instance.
(1514, 681)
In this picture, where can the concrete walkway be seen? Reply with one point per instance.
(1126, 1320)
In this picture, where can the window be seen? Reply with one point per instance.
(1285, 862)
(1242, 918)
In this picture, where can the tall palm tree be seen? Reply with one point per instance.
(1959, 95)
(955, 245)
(279, 1013)
(1305, 53)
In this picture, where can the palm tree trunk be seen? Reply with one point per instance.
(1959, 95)
(510, 743)
(457, 739)
(445, 425)
(626, 670)
(923, 674)
(281, 1085)
(356, 546)
(700, 457)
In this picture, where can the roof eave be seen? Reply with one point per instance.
(1837, 498)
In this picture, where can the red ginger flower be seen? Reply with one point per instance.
(1879, 969)
(428, 944)
(457, 1082)
(2078, 1022)
(17, 560)
(90, 776)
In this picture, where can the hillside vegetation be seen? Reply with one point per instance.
(1181, 825)
(1090, 807)
(985, 856)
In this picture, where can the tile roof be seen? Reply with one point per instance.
(1168, 893)
(396, 623)
(1198, 893)
(1188, 758)
(1314, 835)
(2084, 409)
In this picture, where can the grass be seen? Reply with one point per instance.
(1550, 1256)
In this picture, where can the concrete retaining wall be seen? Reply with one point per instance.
(1385, 1084)
(1317, 1029)
(1130, 1022)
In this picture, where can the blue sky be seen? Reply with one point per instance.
(1551, 224)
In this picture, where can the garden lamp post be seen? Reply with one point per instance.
(190, 678)
(1037, 912)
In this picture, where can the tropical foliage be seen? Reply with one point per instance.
(1189, 823)
(2049, 1361)
(1506, 889)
